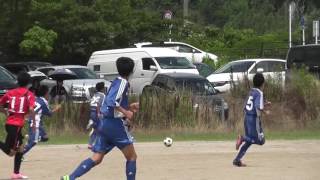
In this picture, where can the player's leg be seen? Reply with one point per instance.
(32, 141)
(43, 136)
(7, 146)
(237, 161)
(131, 156)
(18, 157)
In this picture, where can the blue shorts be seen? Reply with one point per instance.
(253, 129)
(112, 132)
(94, 117)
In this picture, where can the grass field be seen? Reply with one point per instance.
(155, 137)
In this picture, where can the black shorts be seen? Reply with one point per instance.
(14, 137)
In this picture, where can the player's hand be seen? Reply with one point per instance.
(267, 112)
(267, 104)
(134, 107)
(129, 115)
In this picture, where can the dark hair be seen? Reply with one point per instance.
(258, 80)
(23, 79)
(99, 86)
(42, 91)
(125, 66)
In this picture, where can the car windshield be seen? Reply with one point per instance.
(5, 75)
(174, 63)
(196, 86)
(239, 66)
(84, 73)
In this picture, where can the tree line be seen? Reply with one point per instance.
(68, 31)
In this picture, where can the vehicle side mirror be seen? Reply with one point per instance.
(260, 70)
(153, 68)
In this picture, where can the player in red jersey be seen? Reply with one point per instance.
(19, 101)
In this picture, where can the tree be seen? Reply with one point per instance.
(38, 42)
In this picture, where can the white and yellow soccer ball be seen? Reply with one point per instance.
(167, 141)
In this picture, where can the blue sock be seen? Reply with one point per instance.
(28, 147)
(83, 168)
(243, 151)
(131, 170)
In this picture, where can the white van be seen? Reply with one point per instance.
(148, 63)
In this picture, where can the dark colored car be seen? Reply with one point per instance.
(7, 81)
(17, 67)
(305, 56)
(200, 88)
(204, 69)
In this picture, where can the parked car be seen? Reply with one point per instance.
(204, 69)
(235, 71)
(192, 53)
(307, 56)
(80, 89)
(16, 67)
(201, 90)
(148, 63)
(7, 81)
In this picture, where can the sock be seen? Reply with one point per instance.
(28, 147)
(131, 170)
(243, 151)
(83, 168)
(4, 148)
(17, 162)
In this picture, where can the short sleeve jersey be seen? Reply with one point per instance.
(96, 100)
(19, 100)
(116, 96)
(41, 109)
(254, 102)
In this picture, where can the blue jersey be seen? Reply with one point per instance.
(117, 96)
(42, 108)
(254, 103)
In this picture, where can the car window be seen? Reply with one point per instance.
(84, 73)
(174, 63)
(277, 66)
(269, 66)
(237, 66)
(147, 62)
(199, 87)
(264, 65)
(185, 49)
(5, 75)
(16, 69)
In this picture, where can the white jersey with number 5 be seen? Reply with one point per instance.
(254, 102)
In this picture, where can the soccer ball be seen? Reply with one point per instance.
(167, 142)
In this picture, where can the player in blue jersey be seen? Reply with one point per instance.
(95, 114)
(113, 131)
(41, 109)
(253, 109)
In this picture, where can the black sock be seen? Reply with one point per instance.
(4, 148)
(17, 162)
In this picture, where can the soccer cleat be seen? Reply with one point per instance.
(238, 163)
(239, 142)
(65, 177)
(18, 176)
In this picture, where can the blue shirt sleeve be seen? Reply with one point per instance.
(115, 93)
(46, 109)
(258, 100)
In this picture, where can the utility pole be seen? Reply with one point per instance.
(185, 8)
(290, 23)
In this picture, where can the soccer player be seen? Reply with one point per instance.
(112, 129)
(41, 109)
(20, 102)
(95, 114)
(252, 122)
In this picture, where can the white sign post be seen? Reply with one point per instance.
(316, 30)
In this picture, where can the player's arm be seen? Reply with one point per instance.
(127, 113)
(3, 101)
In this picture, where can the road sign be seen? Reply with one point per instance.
(167, 15)
(315, 28)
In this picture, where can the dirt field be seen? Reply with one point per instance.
(276, 160)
